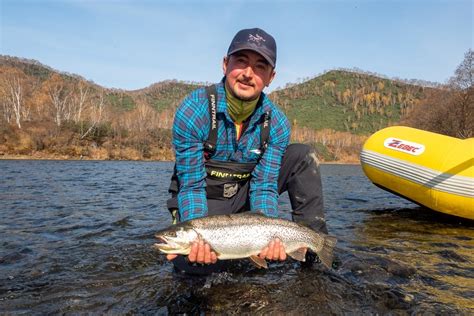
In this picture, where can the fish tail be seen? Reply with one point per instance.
(326, 253)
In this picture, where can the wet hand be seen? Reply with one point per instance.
(274, 251)
(200, 253)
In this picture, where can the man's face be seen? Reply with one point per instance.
(247, 74)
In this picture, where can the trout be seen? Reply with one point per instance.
(244, 235)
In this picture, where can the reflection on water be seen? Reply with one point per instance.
(439, 247)
(76, 238)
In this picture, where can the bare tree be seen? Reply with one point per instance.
(464, 75)
(96, 112)
(13, 88)
(59, 99)
(59, 95)
(144, 118)
(463, 98)
(79, 100)
(6, 109)
(449, 109)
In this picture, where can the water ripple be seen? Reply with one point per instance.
(76, 238)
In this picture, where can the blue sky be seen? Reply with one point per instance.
(132, 44)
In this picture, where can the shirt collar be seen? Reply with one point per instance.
(222, 103)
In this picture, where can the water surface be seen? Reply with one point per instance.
(76, 237)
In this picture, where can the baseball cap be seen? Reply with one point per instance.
(256, 40)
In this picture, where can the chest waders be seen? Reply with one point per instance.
(223, 178)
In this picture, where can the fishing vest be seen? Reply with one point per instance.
(225, 178)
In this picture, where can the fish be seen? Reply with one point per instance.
(244, 235)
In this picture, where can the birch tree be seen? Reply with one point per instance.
(96, 112)
(79, 100)
(59, 95)
(13, 85)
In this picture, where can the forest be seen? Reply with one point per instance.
(49, 114)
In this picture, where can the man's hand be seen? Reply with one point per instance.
(200, 253)
(274, 251)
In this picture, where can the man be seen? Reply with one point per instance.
(232, 152)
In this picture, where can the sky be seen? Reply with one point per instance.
(133, 44)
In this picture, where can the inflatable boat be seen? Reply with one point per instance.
(433, 170)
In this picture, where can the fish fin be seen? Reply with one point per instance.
(298, 254)
(259, 262)
(326, 253)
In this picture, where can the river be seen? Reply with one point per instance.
(76, 237)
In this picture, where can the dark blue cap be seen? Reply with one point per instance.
(256, 40)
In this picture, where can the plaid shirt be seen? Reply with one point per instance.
(191, 130)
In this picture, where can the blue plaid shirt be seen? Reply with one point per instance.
(191, 130)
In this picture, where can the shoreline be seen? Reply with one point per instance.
(68, 158)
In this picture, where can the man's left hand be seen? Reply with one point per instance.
(274, 251)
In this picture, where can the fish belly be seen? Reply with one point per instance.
(244, 242)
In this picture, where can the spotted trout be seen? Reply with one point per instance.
(244, 235)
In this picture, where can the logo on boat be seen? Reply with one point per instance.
(404, 146)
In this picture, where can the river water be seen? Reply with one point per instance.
(76, 237)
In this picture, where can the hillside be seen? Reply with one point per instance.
(348, 102)
(165, 95)
(45, 112)
(159, 96)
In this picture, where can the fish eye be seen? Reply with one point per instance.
(171, 233)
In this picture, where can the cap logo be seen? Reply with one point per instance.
(256, 38)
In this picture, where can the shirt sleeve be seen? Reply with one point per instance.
(264, 183)
(188, 145)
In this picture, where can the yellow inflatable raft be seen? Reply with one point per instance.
(433, 170)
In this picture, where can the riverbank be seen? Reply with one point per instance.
(47, 156)
(48, 142)
(100, 157)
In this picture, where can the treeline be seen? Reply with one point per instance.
(355, 70)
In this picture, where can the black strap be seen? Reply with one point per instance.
(210, 144)
(265, 132)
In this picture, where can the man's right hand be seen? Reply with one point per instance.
(200, 253)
